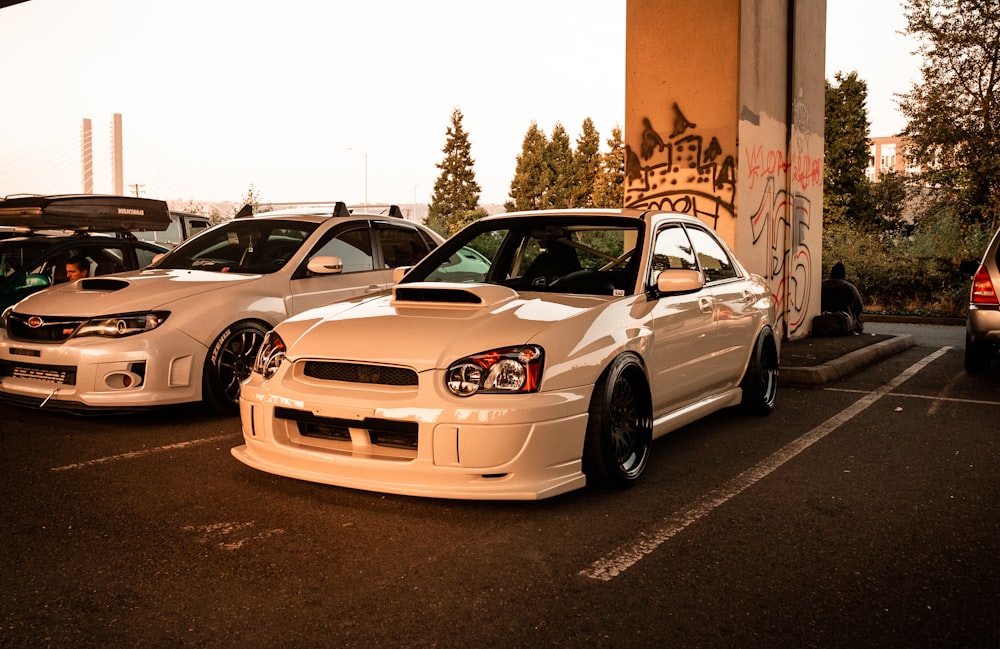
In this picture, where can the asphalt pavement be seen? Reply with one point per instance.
(859, 514)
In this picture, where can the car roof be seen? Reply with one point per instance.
(84, 213)
(627, 212)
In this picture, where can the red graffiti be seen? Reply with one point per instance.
(804, 169)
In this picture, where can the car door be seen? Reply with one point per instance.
(683, 328)
(733, 307)
(354, 244)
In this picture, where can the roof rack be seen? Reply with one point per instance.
(84, 212)
(339, 208)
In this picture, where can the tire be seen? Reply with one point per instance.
(760, 382)
(977, 356)
(619, 427)
(229, 361)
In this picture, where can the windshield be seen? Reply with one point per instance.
(583, 254)
(243, 246)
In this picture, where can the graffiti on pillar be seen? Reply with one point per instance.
(681, 172)
(776, 215)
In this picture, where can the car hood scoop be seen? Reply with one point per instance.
(451, 294)
(103, 284)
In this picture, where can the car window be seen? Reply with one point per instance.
(145, 256)
(671, 251)
(354, 247)
(16, 254)
(171, 234)
(401, 246)
(194, 227)
(712, 258)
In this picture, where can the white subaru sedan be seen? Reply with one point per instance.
(188, 327)
(530, 354)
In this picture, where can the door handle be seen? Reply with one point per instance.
(706, 304)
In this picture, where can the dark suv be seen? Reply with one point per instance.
(46, 231)
(982, 332)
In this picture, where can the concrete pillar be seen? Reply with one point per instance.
(117, 166)
(724, 108)
(87, 155)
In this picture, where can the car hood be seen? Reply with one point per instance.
(127, 292)
(428, 325)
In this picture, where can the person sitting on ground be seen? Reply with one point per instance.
(840, 296)
(77, 268)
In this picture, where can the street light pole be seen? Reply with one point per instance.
(366, 173)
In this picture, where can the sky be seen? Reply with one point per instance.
(317, 101)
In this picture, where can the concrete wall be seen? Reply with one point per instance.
(724, 104)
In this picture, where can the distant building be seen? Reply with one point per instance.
(886, 154)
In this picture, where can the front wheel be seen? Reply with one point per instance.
(229, 361)
(619, 427)
(760, 383)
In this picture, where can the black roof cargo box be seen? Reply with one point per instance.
(85, 212)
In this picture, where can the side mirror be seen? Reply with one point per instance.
(37, 280)
(325, 265)
(399, 273)
(677, 280)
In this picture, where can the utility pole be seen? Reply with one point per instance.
(136, 186)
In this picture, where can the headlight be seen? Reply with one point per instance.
(3, 318)
(125, 324)
(500, 371)
(270, 355)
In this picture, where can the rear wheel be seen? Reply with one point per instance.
(977, 355)
(619, 428)
(760, 383)
(229, 361)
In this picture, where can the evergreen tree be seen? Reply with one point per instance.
(532, 175)
(455, 201)
(559, 159)
(586, 165)
(609, 183)
(846, 147)
(954, 112)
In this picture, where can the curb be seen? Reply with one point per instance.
(950, 321)
(845, 365)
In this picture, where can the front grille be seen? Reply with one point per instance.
(381, 432)
(45, 329)
(360, 373)
(61, 374)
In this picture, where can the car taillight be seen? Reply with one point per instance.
(982, 288)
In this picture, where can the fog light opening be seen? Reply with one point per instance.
(123, 380)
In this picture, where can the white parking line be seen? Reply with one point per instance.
(929, 397)
(131, 455)
(624, 557)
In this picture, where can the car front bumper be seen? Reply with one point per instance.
(402, 441)
(101, 374)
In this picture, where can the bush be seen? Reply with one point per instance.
(912, 270)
